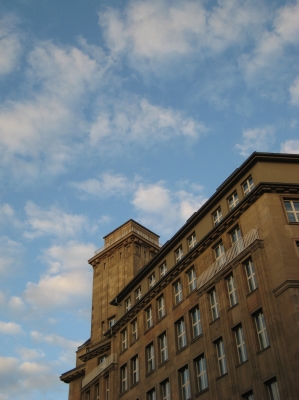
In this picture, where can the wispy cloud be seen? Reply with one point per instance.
(290, 146)
(256, 139)
(10, 328)
(294, 92)
(10, 45)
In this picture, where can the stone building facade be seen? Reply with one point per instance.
(212, 314)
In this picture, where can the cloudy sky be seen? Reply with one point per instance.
(111, 110)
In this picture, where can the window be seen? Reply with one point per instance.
(150, 358)
(237, 241)
(217, 216)
(297, 246)
(185, 383)
(179, 254)
(149, 318)
(97, 392)
(192, 241)
(221, 357)
(248, 395)
(138, 294)
(111, 322)
(163, 269)
(151, 394)
(181, 334)
(273, 390)
(214, 305)
(128, 304)
(232, 293)
(134, 330)
(261, 330)
(292, 209)
(135, 370)
(165, 390)
(163, 347)
(220, 254)
(233, 200)
(191, 280)
(102, 359)
(151, 281)
(87, 395)
(124, 340)
(250, 273)
(241, 347)
(201, 372)
(248, 185)
(107, 386)
(124, 378)
(178, 293)
(161, 307)
(195, 322)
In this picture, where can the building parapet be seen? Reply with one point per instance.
(125, 233)
(227, 257)
(112, 359)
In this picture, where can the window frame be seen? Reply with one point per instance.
(163, 347)
(149, 318)
(179, 254)
(165, 390)
(181, 335)
(178, 292)
(191, 240)
(151, 394)
(138, 294)
(292, 211)
(128, 304)
(232, 291)
(163, 269)
(134, 330)
(184, 381)
(195, 322)
(135, 369)
(124, 378)
(151, 281)
(192, 283)
(201, 373)
(221, 357)
(214, 305)
(217, 216)
(261, 330)
(250, 275)
(219, 252)
(235, 200)
(273, 390)
(161, 306)
(150, 357)
(241, 345)
(124, 339)
(248, 185)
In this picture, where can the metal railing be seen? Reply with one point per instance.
(112, 359)
(123, 234)
(227, 257)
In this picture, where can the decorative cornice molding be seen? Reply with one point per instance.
(287, 284)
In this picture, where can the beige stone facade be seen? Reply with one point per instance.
(212, 314)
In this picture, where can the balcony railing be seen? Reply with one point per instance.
(124, 233)
(112, 359)
(227, 257)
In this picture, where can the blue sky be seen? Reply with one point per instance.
(111, 110)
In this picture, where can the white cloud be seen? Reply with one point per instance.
(29, 354)
(155, 29)
(10, 45)
(290, 146)
(67, 283)
(164, 210)
(294, 92)
(10, 328)
(55, 340)
(139, 122)
(16, 304)
(10, 252)
(108, 185)
(256, 139)
(54, 222)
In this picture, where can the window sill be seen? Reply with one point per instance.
(219, 377)
(182, 349)
(231, 307)
(217, 319)
(132, 343)
(150, 373)
(163, 363)
(123, 351)
(262, 351)
(240, 365)
(254, 290)
(178, 304)
(148, 329)
(196, 338)
(160, 319)
(192, 291)
(201, 392)
(134, 384)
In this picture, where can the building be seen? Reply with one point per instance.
(214, 313)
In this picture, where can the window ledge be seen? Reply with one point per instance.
(196, 338)
(261, 351)
(151, 372)
(123, 351)
(179, 303)
(134, 384)
(148, 329)
(219, 377)
(254, 290)
(201, 392)
(163, 363)
(230, 308)
(240, 365)
(217, 319)
(160, 319)
(192, 291)
(132, 343)
(182, 349)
